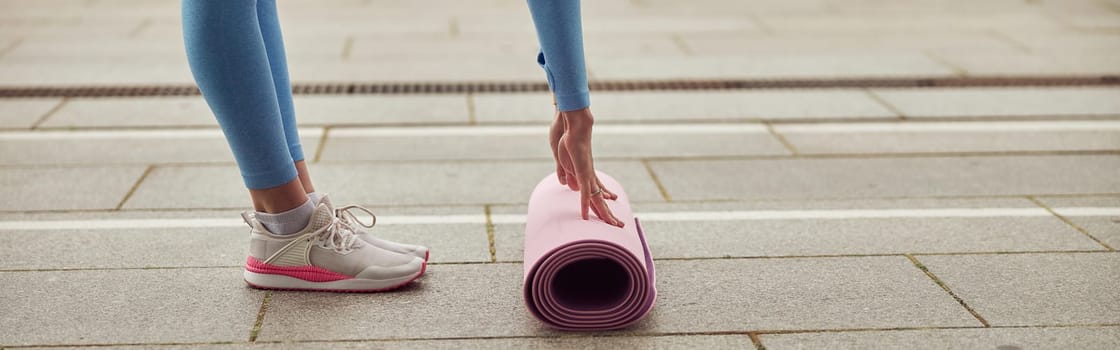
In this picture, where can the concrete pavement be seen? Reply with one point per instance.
(828, 217)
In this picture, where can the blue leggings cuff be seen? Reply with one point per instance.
(296, 151)
(270, 178)
(573, 102)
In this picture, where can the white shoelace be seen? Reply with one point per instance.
(349, 219)
(337, 236)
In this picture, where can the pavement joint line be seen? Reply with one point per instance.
(147, 22)
(934, 127)
(782, 139)
(453, 26)
(567, 336)
(942, 61)
(944, 286)
(490, 234)
(782, 121)
(1018, 45)
(260, 317)
(891, 329)
(756, 341)
(132, 134)
(657, 181)
(929, 127)
(542, 130)
(1070, 222)
(513, 262)
(347, 47)
(472, 119)
(650, 216)
(49, 113)
(635, 202)
(508, 86)
(764, 27)
(6, 49)
(681, 44)
(135, 185)
(322, 144)
(883, 102)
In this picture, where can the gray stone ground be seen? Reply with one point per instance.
(983, 218)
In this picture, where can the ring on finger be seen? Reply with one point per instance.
(597, 192)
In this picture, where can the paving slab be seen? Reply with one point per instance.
(691, 106)
(107, 112)
(222, 240)
(1003, 102)
(23, 74)
(474, 300)
(441, 183)
(125, 146)
(530, 142)
(887, 177)
(66, 188)
(417, 70)
(1034, 289)
(123, 248)
(816, 233)
(1089, 62)
(770, 66)
(1104, 228)
(1070, 41)
(381, 109)
(724, 43)
(561, 342)
(486, 301)
(926, 137)
(127, 306)
(828, 293)
(986, 62)
(143, 50)
(620, 23)
(310, 110)
(915, 22)
(24, 113)
(995, 338)
(504, 46)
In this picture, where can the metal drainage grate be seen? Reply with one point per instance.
(420, 88)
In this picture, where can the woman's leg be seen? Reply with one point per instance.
(229, 61)
(560, 33)
(278, 63)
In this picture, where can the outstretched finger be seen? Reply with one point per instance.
(584, 202)
(606, 193)
(604, 212)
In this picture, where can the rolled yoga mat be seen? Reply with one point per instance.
(585, 275)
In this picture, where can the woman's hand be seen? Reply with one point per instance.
(570, 138)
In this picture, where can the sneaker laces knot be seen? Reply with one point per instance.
(337, 236)
(349, 219)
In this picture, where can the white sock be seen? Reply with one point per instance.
(288, 222)
(315, 197)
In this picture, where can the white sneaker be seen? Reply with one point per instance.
(351, 220)
(326, 256)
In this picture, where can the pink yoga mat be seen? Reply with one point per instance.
(585, 275)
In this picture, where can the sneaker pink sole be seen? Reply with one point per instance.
(423, 268)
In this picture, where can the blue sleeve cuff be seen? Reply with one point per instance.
(573, 102)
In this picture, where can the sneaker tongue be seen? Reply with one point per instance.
(326, 201)
(321, 217)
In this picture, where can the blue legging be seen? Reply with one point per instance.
(236, 54)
